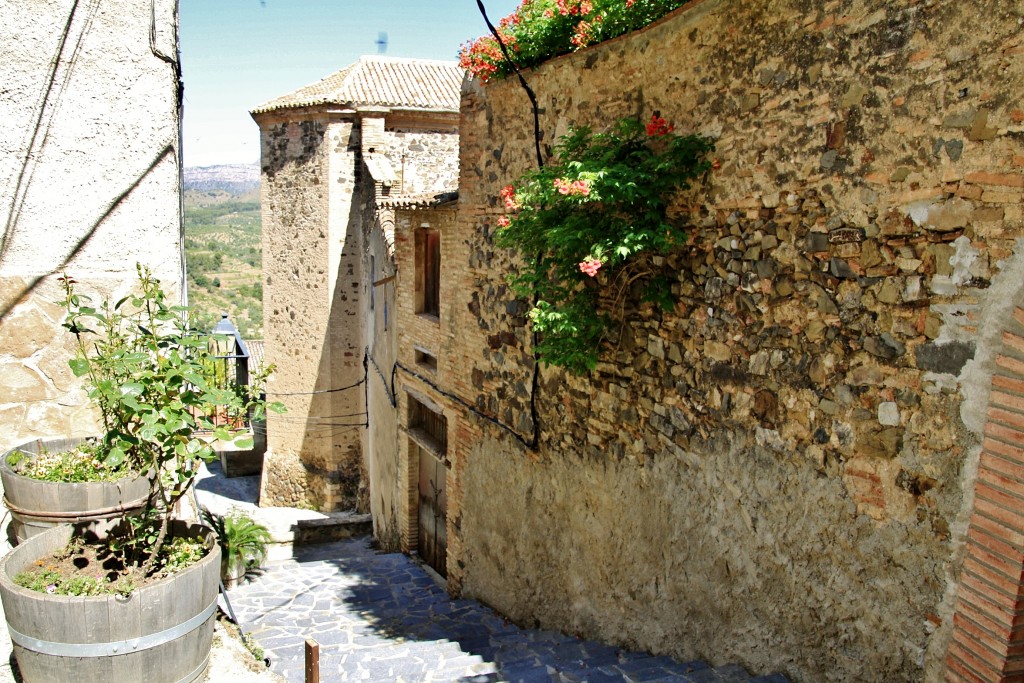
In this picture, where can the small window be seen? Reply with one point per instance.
(428, 272)
(426, 360)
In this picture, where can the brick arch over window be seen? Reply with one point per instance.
(988, 624)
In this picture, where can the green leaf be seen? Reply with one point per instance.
(79, 366)
(132, 389)
(244, 442)
(114, 458)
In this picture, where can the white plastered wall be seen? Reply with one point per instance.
(89, 183)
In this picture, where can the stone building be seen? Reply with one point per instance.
(334, 154)
(814, 464)
(89, 184)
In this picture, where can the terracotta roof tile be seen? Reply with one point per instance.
(379, 81)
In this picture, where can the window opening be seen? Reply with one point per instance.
(428, 272)
(425, 359)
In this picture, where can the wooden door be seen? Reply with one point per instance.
(433, 511)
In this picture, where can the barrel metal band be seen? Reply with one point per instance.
(119, 647)
(196, 672)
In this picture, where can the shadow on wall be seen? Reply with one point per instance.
(334, 473)
(12, 222)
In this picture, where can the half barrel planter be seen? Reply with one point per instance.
(160, 633)
(37, 505)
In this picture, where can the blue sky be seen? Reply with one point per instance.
(237, 54)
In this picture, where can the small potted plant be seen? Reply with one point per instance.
(243, 544)
(238, 461)
(153, 587)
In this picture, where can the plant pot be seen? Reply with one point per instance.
(161, 633)
(236, 462)
(233, 572)
(37, 505)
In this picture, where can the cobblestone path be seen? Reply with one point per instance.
(380, 617)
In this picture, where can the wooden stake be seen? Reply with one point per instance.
(312, 661)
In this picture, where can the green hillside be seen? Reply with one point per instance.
(223, 258)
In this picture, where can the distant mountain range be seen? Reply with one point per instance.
(236, 179)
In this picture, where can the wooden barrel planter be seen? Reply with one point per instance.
(37, 505)
(161, 633)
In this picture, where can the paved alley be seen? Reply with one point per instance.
(380, 617)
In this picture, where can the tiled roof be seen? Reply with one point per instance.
(418, 201)
(378, 81)
(255, 349)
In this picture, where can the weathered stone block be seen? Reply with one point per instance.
(947, 358)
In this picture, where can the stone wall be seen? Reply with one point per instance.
(89, 163)
(383, 466)
(311, 294)
(778, 472)
(426, 160)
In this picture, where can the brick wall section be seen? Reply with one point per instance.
(774, 473)
(988, 637)
(415, 331)
(422, 149)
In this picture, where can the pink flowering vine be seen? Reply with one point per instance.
(590, 266)
(574, 7)
(508, 195)
(504, 221)
(575, 188)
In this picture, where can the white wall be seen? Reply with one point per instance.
(89, 183)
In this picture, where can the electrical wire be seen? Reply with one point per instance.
(390, 391)
(529, 443)
(318, 391)
(534, 442)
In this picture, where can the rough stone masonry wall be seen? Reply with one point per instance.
(89, 182)
(777, 473)
(425, 159)
(303, 306)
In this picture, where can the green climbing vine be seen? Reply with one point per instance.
(584, 223)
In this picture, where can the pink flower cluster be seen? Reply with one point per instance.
(508, 195)
(658, 126)
(590, 266)
(504, 221)
(575, 188)
(585, 32)
(574, 7)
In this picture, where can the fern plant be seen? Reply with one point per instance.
(243, 542)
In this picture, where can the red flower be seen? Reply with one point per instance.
(658, 126)
(504, 222)
(508, 194)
